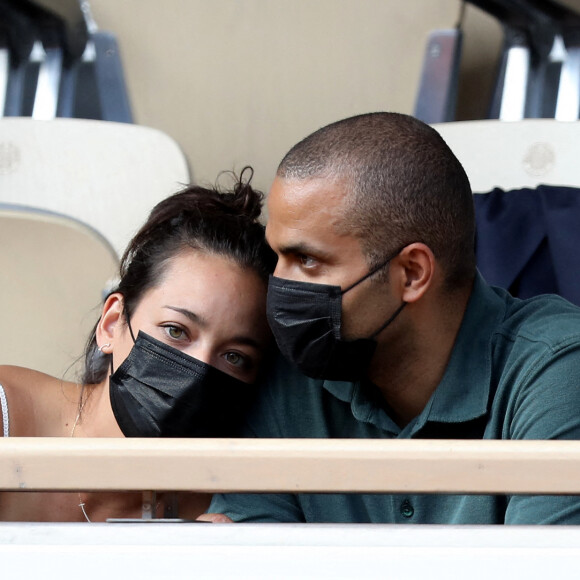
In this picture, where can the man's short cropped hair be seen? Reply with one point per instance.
(404, 185)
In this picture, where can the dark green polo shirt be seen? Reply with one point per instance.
(514, 373)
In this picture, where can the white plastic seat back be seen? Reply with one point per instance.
(54, 270)
(512, 155)
(108, 175)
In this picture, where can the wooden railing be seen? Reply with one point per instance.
(297, 551)
(294, 465)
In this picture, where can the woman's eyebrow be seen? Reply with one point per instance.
(203, 323)
(200, 320)
(248, 341)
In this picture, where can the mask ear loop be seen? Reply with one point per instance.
(131, 330)
(374, 270)
(395, 314)
(132, 337)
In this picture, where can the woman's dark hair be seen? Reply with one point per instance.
(213, 221)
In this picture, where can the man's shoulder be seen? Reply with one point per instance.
(289, 404)
(281, 377)
(547, 319)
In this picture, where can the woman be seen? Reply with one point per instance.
(174, 353)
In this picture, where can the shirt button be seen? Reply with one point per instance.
(407, 510)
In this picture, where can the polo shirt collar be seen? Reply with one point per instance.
(463, 393)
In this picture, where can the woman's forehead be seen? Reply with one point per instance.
(214, 287)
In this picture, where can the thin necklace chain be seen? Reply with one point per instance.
(72, 434)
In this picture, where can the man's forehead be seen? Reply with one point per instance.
(304, 215)
(298, 198)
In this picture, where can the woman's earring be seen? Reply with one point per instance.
(100, 348)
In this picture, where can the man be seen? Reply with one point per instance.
(389, 330)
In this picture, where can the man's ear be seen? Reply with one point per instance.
(418, 268)
(111, 319)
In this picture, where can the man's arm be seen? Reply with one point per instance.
(263, 421)
(547, 407)
(261, 507)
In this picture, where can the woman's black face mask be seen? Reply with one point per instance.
(305, 319)
(159, 391)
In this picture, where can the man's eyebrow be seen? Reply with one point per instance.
(301, 248)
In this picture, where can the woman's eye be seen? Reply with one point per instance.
(174, 332)
(235, 359)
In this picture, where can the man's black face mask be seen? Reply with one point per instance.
(159, 391)
(305, 319)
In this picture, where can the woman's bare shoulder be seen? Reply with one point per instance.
(35, 400)
(13, 377)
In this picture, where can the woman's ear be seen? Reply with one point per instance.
(418, 263)
(111, 318)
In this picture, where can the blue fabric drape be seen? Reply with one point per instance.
(528, 240)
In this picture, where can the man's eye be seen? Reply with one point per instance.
(307, 261)
(174, 332)
(235, 359)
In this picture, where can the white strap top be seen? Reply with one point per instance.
(4, 407)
